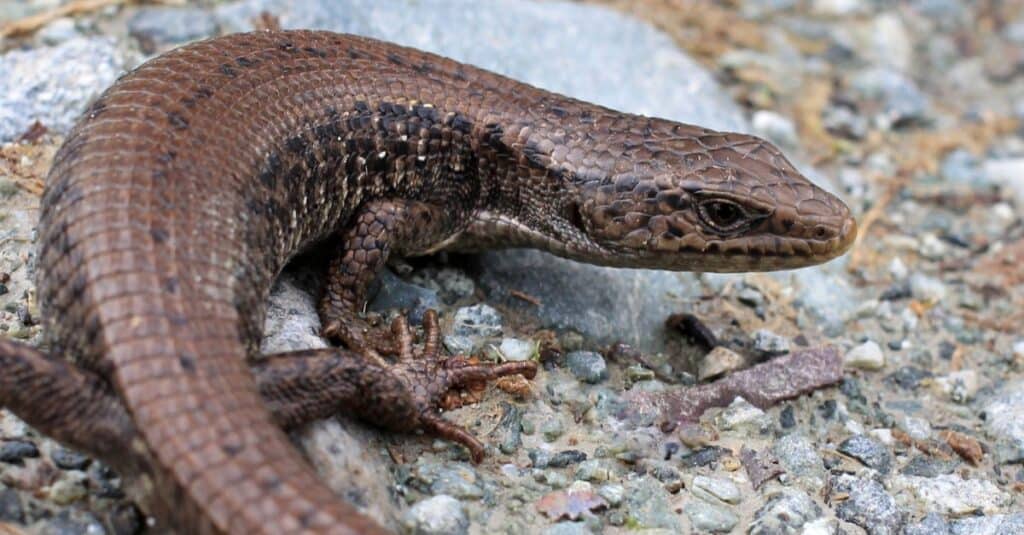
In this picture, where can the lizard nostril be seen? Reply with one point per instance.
(820, 232)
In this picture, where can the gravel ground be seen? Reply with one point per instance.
(911, 111)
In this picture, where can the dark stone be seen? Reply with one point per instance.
(69, 460)
(924, 466)
(909, 377)
(899, 290)
(787, 418)
(566, 458)
(869, 452)
(15, 451)
(11, 509)
(703, 457)
(827, 409)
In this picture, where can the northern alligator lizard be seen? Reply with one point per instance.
(188, 185)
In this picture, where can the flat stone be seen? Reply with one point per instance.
(950, 494)
(715, 490)
(53, 85)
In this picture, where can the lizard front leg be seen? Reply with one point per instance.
(380, 228)
(301, 386)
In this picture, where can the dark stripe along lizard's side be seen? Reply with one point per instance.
(189, 184)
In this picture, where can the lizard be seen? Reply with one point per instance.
(186, 187)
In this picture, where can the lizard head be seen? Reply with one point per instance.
(687, 198)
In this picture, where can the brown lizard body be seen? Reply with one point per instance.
(188, 185)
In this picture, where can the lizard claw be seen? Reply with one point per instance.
(427, 378)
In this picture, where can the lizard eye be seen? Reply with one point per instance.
(722, 215)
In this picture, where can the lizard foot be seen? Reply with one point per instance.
(359, 336)
(427, 378)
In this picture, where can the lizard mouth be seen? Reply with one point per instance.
(758, 252)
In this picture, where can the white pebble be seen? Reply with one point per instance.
(867, 356)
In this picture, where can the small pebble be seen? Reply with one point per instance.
(927, 289)
(613, 493)
(868, 505)
(516, 350)
(715, 490)
(478, 320)
(69, 460)
(708, 518)
(593, 470)
(867, 356)
(566, 458)
(552, 429)
(587, 366)
(740, 415)
(869, 452)
(15, 451)
(786, 511)
(717, 362)
(437, 515)
(770, 343)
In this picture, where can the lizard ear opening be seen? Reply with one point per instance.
(575, 217)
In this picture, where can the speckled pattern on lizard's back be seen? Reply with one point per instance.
(189, 184)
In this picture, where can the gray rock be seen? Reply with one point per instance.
(785, 512)
(868, 451)
(1002, 414)
(947, 14)
(460, 480)
(477, 320)
(962, 167)
(715, 490)
(66, 459)
(743, 417)
(292, 322)
(587, 366)
(613, 493)
(844, 122)
(395, 293)
(931, 524)
(11, 509)
(1007, 172)
(625, 64)
(950, 494)
(437, 515)
(801, 460)
(172, 25)
(925, 288)
(923, 466)
(889, 43)
(769, 343)
(58, 31)
(567, 527)
(709, 518)
(869, 506)
(53, 85)
(899, 99)
(16, 451)
(994, 524)
(776, 128)
(648, 505)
